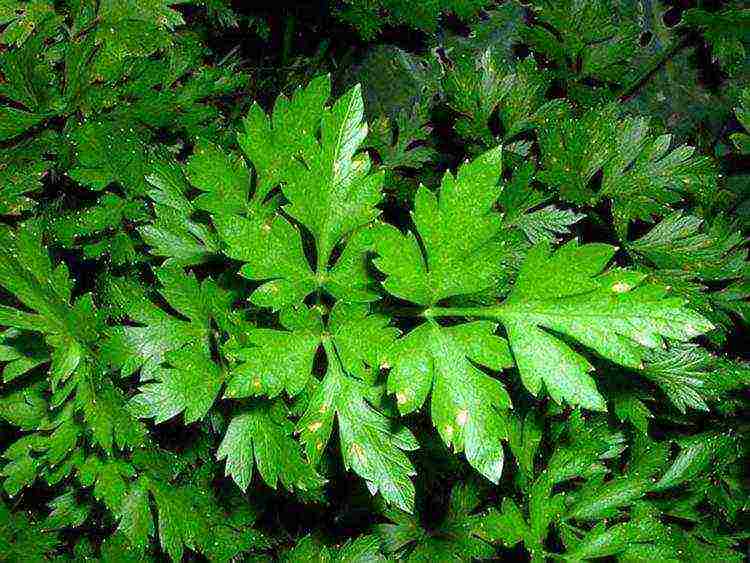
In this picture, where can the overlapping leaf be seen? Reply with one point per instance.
(355, 343)
(310, 151)
(642, 174)
(371, 444)
(145, 346)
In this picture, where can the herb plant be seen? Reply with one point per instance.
(470, 299)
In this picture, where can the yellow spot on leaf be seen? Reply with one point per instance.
(462, 417)
(314, 426)
(621, 287)
(358, 452)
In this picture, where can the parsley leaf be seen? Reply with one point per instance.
(329, 189)
(262, 432)
(459, 232)
(614, 313)
(466, 404)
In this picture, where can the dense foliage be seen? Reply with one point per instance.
(374, 280)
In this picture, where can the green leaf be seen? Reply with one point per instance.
(328, 186)
(691, 377)
(190, 386)
(520, 202)
(603, 542)
(22, 468)
(270, 142)
(136, 522)
(22, 538)
(64, 438)
(110, 480)
(30, 80)
(644, 176)
(687, 243)
(479, 85)
(362, 549)
(66, 512)
(461, 535)
(179, 527)
(401, 142)
(275, 254)
(370, 17)
(27, 271)
(506, 526)
(144, 347)
(260, 435)
(331, 191)
(23, 360)
(277, 360)
(641, 174)
(130, 29)
(629, 407)
(361, 340)
(574, 150)
(696, 455)
(370, 443)
(175, 234)
(103, 220)
(614, 314)
(13, 122)
(24, 168)
(107, 153)
(597, 499)
(466, 404)
(22, 19)
(524, 439)
(25, 408)
(546, 223)
(106, 413)
(224, 178)
(726, 31)
(459, 231)
(741, 140)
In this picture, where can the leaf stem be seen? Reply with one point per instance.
(490, 312)
(399, 311)
(290, 21)
(642, 78)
